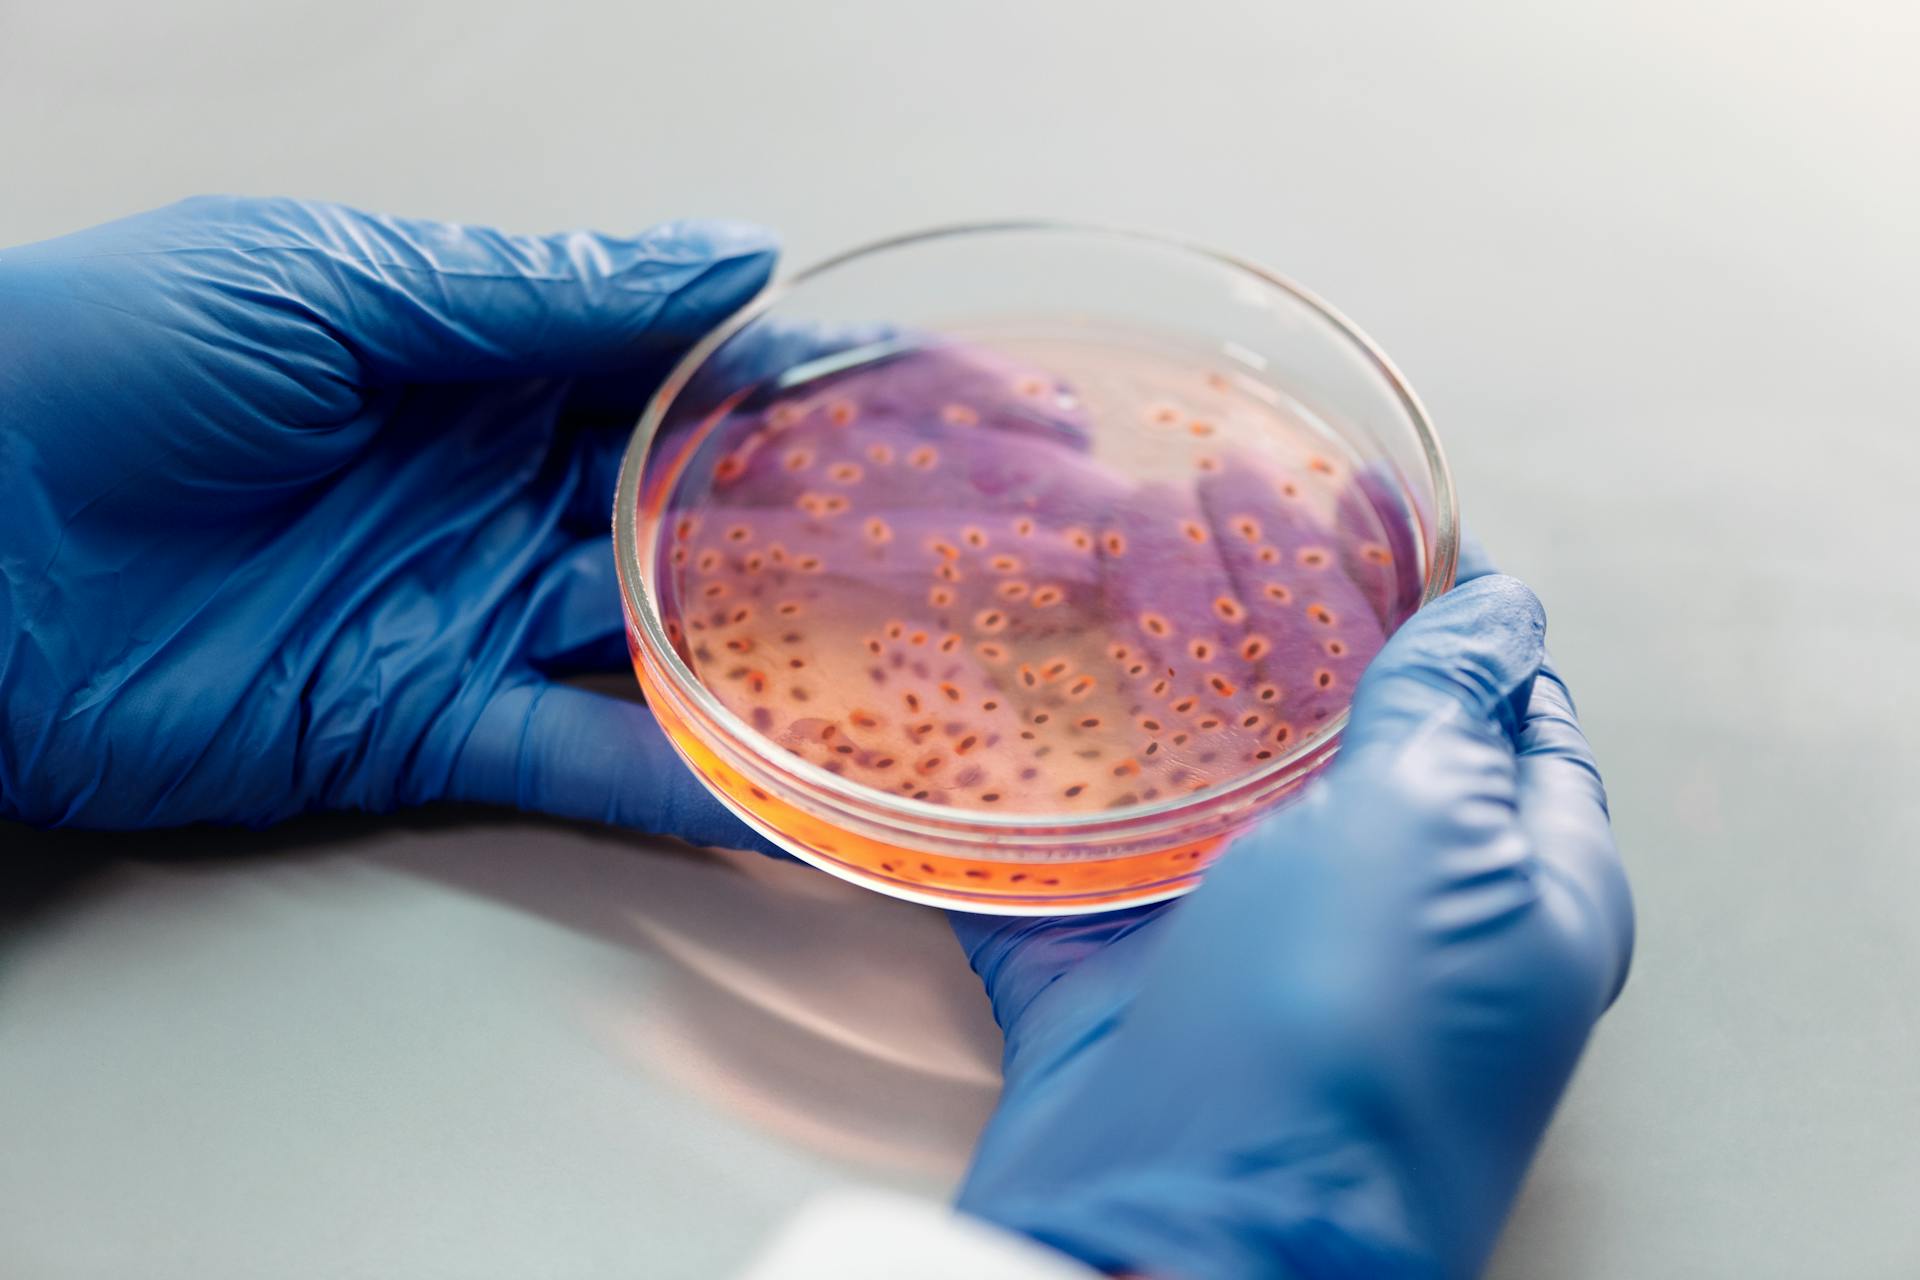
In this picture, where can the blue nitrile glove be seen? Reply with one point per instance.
(302, 508)
(1336, 1057)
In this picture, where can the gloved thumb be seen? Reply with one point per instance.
(422, 301)
(1463, 666)
(571, 753)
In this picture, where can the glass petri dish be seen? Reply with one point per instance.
(1018, 567)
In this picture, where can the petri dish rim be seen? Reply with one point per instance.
(1438, 578)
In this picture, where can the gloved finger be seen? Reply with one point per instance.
(418, 300)
(772, 356)
(1019, 958)
(880, 468)
(975, 390)
(614, 401)
(1464, 665)
(923, 428)
(573, 621)
(548, 748)
(814, 409)
(602, 411)
(597, 455)
(755, 356)
(1563, 809)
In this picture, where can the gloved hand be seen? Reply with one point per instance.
(1336, 1057)
(302, 508)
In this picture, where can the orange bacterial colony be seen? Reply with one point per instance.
(1021, 575)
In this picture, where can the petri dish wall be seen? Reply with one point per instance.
(1018, 568)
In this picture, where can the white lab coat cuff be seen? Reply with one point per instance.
(875, 1235)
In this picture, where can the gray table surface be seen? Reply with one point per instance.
(1652, 267)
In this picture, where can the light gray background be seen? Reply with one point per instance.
(1650, 263)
